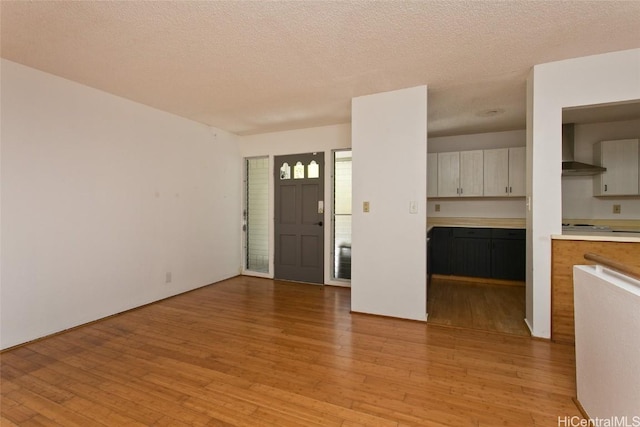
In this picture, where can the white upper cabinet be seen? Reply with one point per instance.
(477, 173)
(432, 175)
(496, 172)
(471, 175)
(448, 174)
(504, 172)
(460, 174)
(517, 171)
(622, 159)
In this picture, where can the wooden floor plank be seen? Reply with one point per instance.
(477, 305)
(253, 352)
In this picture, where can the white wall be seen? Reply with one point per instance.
(389, 134)
(101, 197)
(494, 207)
(607, 313)
(478, 141)
(577, 191)
(319, 139)
(478, 207)
(597, 79)
(324, 138)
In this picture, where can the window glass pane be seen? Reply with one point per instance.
(342, 244)
(342, 185)
(313, 170)
(342, 214)
(257, 215)
(298, 171)
(285, 171)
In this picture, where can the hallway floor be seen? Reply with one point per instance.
(488, 307)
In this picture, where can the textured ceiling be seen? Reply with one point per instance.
(259, 66)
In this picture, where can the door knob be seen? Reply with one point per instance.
(319, 223)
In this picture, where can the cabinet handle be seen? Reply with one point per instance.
(510, 190)
(506, 190)
(605, 187)
(460, 190)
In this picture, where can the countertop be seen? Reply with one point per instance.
(625, 230)
(475, 222)
(598, 236)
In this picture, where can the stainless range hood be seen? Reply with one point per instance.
(569, 166)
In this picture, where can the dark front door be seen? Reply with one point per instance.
(299, 216)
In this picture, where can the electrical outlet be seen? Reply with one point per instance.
(616, 209)
(167, 278)
(437, 207)
(365, 206)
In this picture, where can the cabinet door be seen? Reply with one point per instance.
(432, 175)
(496, 172)
(471, 252)
(517, 171)
(621, 160)
(508, 255)
(508, 260)
(471, 173)
(472, 257)
(440, 250)
(448, 174)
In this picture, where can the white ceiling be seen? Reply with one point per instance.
(259, 66)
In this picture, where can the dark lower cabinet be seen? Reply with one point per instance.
(472, 252)
(441, 250)
(478, 252)
(509, 255)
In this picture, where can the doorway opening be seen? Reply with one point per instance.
(477, 304)
(477, 278)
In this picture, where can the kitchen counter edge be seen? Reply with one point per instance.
(476, 222)
(597, 237)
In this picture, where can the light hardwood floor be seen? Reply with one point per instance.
(251, 351)
(477, 305)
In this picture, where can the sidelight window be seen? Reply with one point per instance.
(256, 212)
(341, 214)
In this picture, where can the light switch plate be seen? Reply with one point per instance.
(365, 206)
(413, 207)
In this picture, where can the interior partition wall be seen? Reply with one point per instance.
(389, 262)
